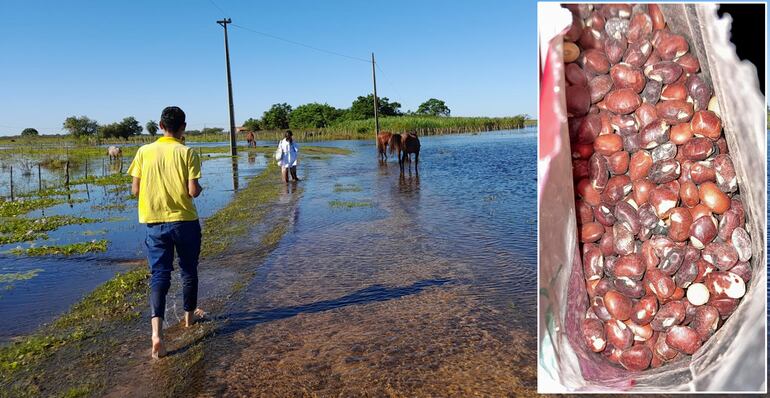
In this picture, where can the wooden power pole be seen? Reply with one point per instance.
(376, 116)
(233, 147)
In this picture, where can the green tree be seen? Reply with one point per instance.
(80, 126)
(277, 117)
(212, 130)
(127, 127)
(252, 125)
(363, 108)
(433, 107)
(314, 115)
(151, 127)
(28, 132)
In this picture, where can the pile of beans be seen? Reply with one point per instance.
(662, 228)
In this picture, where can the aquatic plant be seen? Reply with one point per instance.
(19, 276)
(346, 188)
(109, 179)
(25, 205)
(111, 206)
(64, 250)
(19, 229)
(348, 204)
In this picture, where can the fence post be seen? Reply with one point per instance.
(86, 168)
(11, 183)
(39, 179)
(67, 173)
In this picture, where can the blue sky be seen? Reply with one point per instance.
(112, 59)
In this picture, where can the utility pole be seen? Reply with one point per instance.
(376, 118)
(233, 147)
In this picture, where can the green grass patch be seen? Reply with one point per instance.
(23, 206)
(20, 229)
(348, 204)
(48, 192)
(110, 207)
(347, 188)
(236, 219)
(110, 179)
(19, 276)
(71, 249)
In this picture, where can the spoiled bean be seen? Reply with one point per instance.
(618, 334)
(624, 124)
(593, 262)
(578, 100)
(575, 75)
(606, 244)
(590, 195)
(570, 52)
(593, 333)
(659, 284)
(637, 53)
(616, 28)
(665, 72)
(687, 273)
(725, 173)
(689, 63)
(597, 304)
(702, 231)
(671, 261)
(647, 216)
(625, 76)
(608, 144)
(722, 255)
(702, 171)
(742, 269)
(663, 200)
(651, 92)
(598, 87)
(623, 239)
(604, 215)
(741, 242)
(627, 215)
(705, 321)
(598, 171)
(725, 306)
(654, 134)
(629, 287)
(699, 91)
(588, 129)
(664, 171)
(675, 111)
(669, 315)
(629, 266)
(664, 151)
(644, 310)
(631, 143)
(640, 165)
(697, 148)
(671, 46)
(617, 188)
(615, 48)
(725, 284)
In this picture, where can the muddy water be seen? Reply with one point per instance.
(427, 288)
(62, 281)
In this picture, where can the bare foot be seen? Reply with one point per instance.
(194, 316)
(158, 348)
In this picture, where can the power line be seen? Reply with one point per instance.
(296, 43)
(387, 79)
(218, 7)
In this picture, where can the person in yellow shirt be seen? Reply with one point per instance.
(165, 178)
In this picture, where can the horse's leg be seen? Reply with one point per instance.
(404, 156)
(416, 161)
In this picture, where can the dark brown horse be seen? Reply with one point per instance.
(404, 144)
(382, 145)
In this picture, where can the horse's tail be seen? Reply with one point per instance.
(395, 143)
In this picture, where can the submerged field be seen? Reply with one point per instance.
(355, 281)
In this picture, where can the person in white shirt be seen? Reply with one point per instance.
(286, 154)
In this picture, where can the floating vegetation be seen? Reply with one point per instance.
(49, 192)
(89, 232)
(19, 229)
(118, 188)
(110, 179)
(346, 188)
(23, 206)
(348, 204)
(111, 206)
(19, 276)
(64, 250)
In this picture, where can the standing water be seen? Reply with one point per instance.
(387, 284)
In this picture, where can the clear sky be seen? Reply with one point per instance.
(112, 59)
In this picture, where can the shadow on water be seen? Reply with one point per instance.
(371, 294)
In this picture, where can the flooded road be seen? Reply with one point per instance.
(422, 285)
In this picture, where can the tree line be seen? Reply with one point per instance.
(316, 115)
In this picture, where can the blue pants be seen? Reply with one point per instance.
(160, 242)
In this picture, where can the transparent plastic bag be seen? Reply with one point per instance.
(734, 359)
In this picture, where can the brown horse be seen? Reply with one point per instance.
(250, 140)
(382, 145)
(404, 144)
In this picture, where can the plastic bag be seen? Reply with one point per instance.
(734, 358)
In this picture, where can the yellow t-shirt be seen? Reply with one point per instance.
(164, 167)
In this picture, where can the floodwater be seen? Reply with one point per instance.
(423, 286)
(62, 281)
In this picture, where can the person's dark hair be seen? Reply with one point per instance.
(288, 135)
(173, 118)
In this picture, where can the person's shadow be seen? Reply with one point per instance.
(375, 293)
